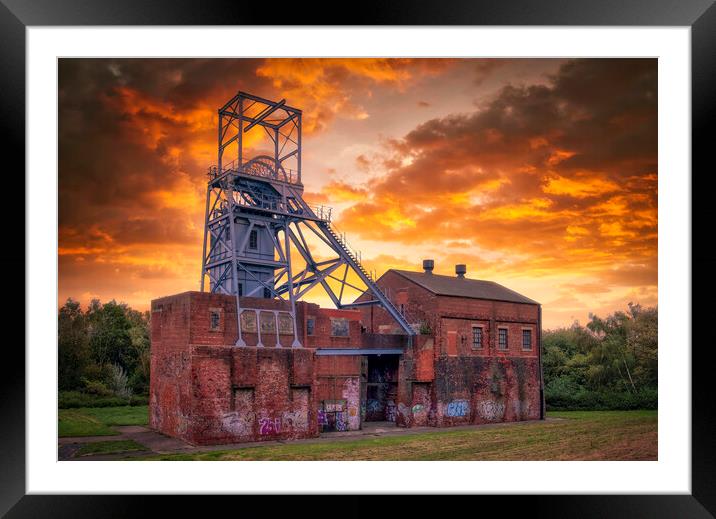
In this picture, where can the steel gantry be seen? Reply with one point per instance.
(258, 225)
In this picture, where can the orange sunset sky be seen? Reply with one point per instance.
(539, 174)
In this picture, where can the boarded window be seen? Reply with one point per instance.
(214, 320)
(310, 326)
(526, 339)
(502, 344)
(477, 337)
(452, 343)
(253, 240)
(248, 321)
(339, 327)
(285, 324)
(268, 322)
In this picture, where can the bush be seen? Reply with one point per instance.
(585, 400)
(119, 382)
(74, 399)
(95, 387)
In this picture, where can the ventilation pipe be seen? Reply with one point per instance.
(460, 270)
(428, 266)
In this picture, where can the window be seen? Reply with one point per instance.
(267, 292)
(526, 339)
(339, 327)
(241, 289)
(310, 325)
(502, 338)
(253, 240)
(477, 337)
(214, 320)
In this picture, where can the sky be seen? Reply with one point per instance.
(539, 174)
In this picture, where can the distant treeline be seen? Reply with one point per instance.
(610, 363)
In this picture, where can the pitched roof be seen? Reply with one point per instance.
(464, 287)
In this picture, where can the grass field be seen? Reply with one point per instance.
(98, 421)
(109, 447)
(579, 435)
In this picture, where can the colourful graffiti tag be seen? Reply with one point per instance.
(418, 408)
(269, 426)
(322, 419)
(390, 412)
(341, 424)
(457, 408)
(373, 406)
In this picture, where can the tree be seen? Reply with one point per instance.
(73, 345)
(110, 342)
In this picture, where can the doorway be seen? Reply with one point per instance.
(381, 388)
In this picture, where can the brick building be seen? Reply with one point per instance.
(476, 359)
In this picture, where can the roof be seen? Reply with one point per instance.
(464, 287)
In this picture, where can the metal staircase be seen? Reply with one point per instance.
(380, 297)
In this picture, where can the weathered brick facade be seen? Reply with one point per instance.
(206, 390)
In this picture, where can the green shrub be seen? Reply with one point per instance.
(75, 399)
(95, 387)
(585, 400)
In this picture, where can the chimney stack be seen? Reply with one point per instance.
(428, 266)
(460, 270)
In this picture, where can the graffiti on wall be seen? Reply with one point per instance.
(335, 415)
(269, 426)
(238, 424)
(491, 410)
(351, 394)
(390, 411)
(341, 422)
(404, 414)
(458, 408)
(373, 406)
(295, 420)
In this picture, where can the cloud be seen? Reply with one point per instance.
(560, 175)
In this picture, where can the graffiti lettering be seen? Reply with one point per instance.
(457, 408)
(296, 420)
(322, 419)
(238, 424)
(341, 424)
(491, 410)
(418, 408)
(269, 426)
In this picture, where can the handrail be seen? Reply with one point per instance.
(213, 172)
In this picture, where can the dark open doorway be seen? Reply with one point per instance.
(381, 388)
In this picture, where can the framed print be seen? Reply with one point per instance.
(446, 238)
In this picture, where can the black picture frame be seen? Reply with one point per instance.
(700, 15)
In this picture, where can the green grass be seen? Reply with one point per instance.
(581, 435)
(97, 421)
(109, 447)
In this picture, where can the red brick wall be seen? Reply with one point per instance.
(204, 390)
(461, 384)
(420, 304)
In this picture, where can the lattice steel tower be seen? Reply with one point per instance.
(257, 221)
